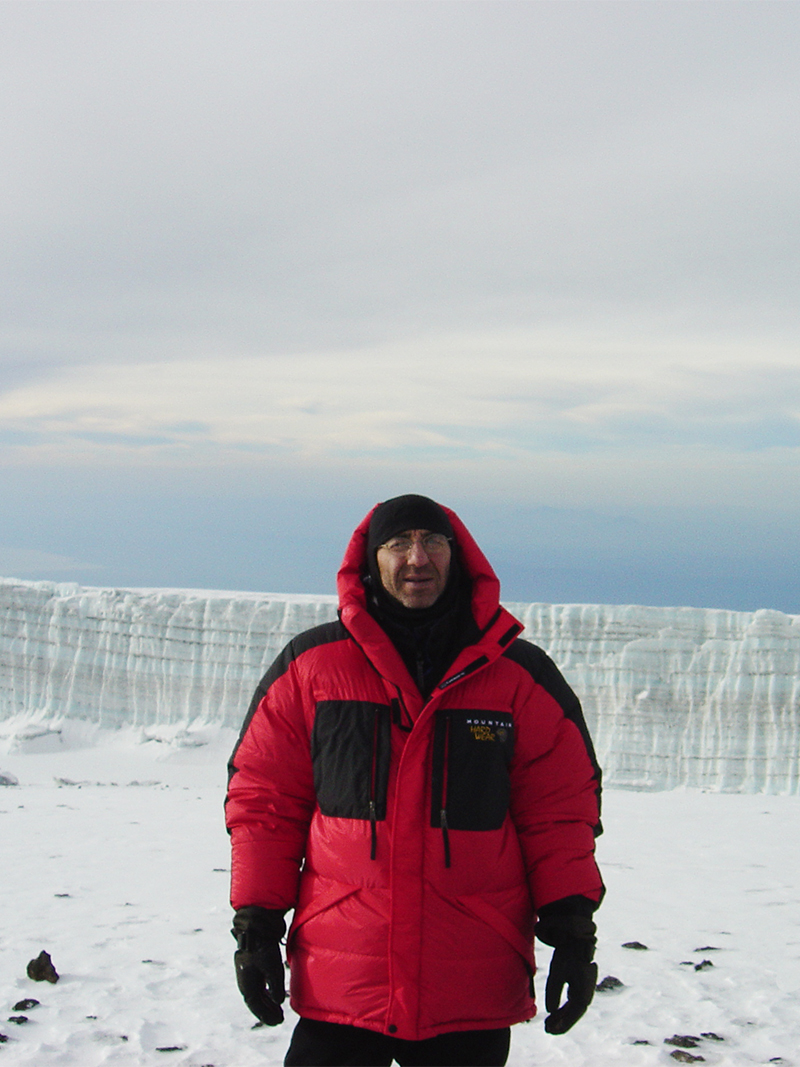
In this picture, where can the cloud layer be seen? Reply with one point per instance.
(539, 255)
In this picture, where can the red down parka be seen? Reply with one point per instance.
(414, 857)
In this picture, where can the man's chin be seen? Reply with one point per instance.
(418, 598)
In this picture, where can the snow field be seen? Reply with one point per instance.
(123, 877)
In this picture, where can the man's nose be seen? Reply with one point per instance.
(417, 554)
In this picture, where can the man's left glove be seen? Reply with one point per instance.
(258, 962)
(573, 937)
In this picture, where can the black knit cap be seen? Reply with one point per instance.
(409, 512)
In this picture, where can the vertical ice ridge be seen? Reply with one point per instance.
(673, 696)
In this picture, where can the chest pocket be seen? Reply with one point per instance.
(350, 750)
(472, 751)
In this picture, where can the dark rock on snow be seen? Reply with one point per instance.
(25, 1005)
(637, 945)
(609, 984)
(685, 1041)
(41, 969)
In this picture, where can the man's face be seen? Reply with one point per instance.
(416, 577)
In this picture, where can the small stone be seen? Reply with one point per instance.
(683, 1040)
(708, 948)
(3, 1038)
(609, 983)
(172, 1048)
(637, 945)
(25, 1005)
(41, 969)
(640, 1041)
(686, 1057)
(709, 1035)
(8, 779)
(703, 965)
(20, 1020)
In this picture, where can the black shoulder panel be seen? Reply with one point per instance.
(545, 673)
(325, 634)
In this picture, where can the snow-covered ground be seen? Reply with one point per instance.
(114, 860)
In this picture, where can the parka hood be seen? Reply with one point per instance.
(496, 626)
(484, 582)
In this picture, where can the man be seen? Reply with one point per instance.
(418, 784)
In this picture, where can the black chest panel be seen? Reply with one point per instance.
(350, 752)
(472, 751)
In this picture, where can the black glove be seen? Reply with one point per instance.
(573, 937)
(258, 962)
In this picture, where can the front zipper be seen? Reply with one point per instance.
(373, 815)
(443, 810)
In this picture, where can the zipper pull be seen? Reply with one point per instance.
(445, 836)
(373, 830)
(398, 707)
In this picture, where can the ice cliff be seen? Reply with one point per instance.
(673, 696)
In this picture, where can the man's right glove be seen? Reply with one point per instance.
(258, 961)
(573, 937)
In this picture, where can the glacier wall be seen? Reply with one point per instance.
(673, 696)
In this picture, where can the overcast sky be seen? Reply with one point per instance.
(265, 264)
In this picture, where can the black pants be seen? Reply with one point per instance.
(316, 1044)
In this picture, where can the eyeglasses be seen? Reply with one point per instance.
(433, 543)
